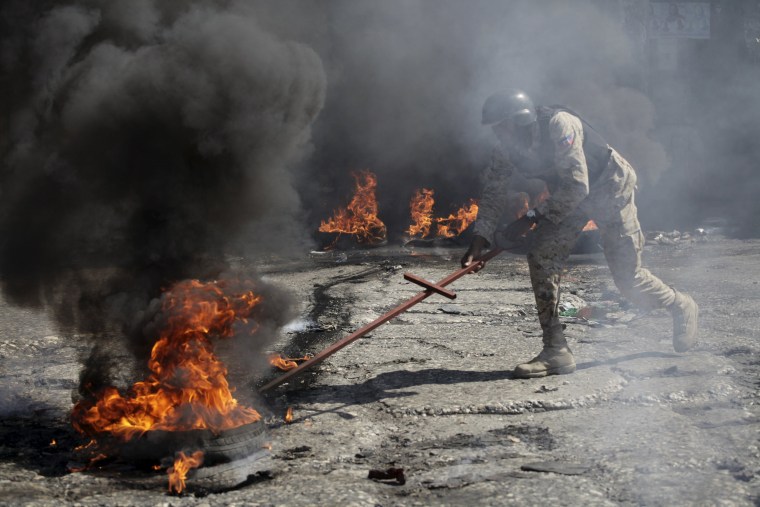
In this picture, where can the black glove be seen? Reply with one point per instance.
(476, 249)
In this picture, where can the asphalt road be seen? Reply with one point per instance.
(432, 393)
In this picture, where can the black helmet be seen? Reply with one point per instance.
(509, 104)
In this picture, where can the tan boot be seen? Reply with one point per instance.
(555, 359)
(685, 315)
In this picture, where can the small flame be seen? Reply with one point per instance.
(421, 209)
(182, 465)
(289, 415)
(520, 205)
(282, 363)
(53, 443)
(544, 195)
(88, 445)
(98, 457)
(359, 218)
(286, 363)
(590, 226)
(456, 223)
(188, 386)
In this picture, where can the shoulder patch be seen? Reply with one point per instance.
(567, 141)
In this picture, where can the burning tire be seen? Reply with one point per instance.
(224, 447)
(332, 241)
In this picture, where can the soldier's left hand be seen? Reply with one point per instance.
(476, 249)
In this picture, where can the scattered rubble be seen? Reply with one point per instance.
(675, 237)
(395, 475)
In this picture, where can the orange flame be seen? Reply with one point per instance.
(182, 465)
(421, 209)
(544, 195)
(84, 447)
(286, 363)
(289, 415)
(188, 386)
(282, 363)
(456, 223)
(520, 205)
(590, 226)
(359, 218)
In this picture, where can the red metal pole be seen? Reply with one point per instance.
(377, 322)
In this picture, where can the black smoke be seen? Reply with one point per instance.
(138, 140)
(407, 79)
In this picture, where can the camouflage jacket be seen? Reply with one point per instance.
(567, 172)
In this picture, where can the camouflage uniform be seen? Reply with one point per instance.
(609, 201)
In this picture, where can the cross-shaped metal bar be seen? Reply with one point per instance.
(432, 288)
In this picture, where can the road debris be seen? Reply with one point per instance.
(388, 475)
(556, 467)
(675, 237)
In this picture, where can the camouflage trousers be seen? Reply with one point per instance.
(610, 204)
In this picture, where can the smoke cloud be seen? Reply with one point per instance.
(407, 80)
(138, 140)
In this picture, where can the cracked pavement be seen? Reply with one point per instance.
(431, 392)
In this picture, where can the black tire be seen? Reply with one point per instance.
(227, 446)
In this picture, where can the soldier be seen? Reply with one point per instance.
(587, 179)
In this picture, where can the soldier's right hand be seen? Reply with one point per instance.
(475, 251)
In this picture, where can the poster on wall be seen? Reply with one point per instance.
(686, 20)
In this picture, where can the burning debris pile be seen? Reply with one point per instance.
(359, 219)
(188, 388)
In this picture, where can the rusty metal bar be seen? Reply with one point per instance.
(430, 285)
(335, 347)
